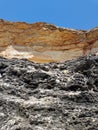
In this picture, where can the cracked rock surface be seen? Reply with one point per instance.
(53, 96)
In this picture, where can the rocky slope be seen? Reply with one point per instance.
(53, 96)
(42, 42)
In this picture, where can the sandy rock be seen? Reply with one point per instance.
(43, 42)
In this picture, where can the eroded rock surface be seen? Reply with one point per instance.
(54, 96)
(42, 42)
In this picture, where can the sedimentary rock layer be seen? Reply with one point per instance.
(42, 42)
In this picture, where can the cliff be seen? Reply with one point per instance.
(42, 42)
(48, 96)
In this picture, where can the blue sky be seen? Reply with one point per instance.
(77, 14)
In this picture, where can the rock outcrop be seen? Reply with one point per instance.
(48, 96)
(42, 42)
(53, 96)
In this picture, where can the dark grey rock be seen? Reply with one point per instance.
(54, 96)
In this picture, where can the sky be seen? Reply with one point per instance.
(76, 14)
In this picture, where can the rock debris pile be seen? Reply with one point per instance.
(52, 96)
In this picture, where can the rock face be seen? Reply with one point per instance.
(48, 96)
(42, 42)
(53, 96)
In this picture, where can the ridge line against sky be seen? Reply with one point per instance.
(76, 14)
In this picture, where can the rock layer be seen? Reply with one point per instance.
(42, 42)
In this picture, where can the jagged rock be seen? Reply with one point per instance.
(42, 42)
(53, 96)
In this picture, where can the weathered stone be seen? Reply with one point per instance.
(32, 98)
